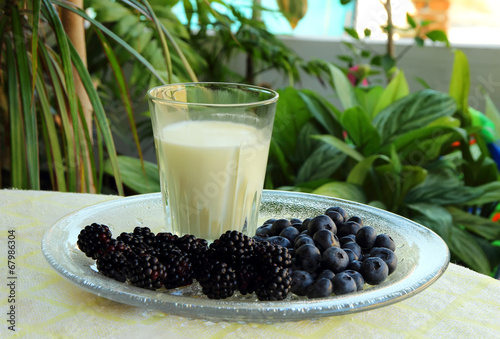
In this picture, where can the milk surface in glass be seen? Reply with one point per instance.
(214, 172)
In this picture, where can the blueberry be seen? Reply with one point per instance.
(356, 219)
(321, 288)
(305, 223)
(355, 248)
(290, 233)
(299, 227)
(324, 239)
(384, 240)
(308, 258)
(347, 238)
(326, 274)
(334, 259)
(269, 221)
(374, 270)
(350, 253)
(261, 238)
(358, 278)
(354, 265)
(336, 217)
(337, 209)
(321, 222)
(349, 227)
(301, 280)
(343, 283)
(295, 221)
(388, 256)
(303, 239)
(281, 241)
(365, 237)
(279, 225)
(264, 230)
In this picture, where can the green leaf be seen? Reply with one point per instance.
(323, 111)
(341, 190)
(322, 163)
(367, 32)
(442, 188)
(142, 177)
(340, 145)
(395, 90)
(483, 227)
(291, 114)
(492, 112)
(368, 97)
(419, 41)
(410, 21)
(462, 245)
(490, 193)
(359, 128)
(414, 111)
(460, 82)
(438, 35)
(343, 86)
(352, 32)
(359, 172)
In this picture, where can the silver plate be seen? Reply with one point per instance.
(422, 259)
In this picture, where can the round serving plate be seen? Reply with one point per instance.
(422, 258)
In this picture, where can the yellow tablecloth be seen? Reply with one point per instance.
(461, 304)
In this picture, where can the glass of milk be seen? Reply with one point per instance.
(212, 143)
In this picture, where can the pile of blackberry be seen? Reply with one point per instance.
(316, 257)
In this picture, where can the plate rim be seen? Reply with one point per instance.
(262, 311)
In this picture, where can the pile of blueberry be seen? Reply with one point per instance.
(331, 253)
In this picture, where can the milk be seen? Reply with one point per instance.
(214, 172)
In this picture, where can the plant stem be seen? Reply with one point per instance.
(250, 73)
(390, 30)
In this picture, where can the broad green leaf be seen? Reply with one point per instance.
(463, 246)
(340, 145)
(483, 227)
(109, 11)
(412, 112)
(140, 176)
(323, 111)
(368, 97)
(359, 128)
(352, 32)
(341, 190)
(490, 193)
(395, 183)
(438, 35)
(442, 188)
(411, 21)
(322, 163)
(395, 90)
(285, 171)
(359, 172)
(291, 114)
(460, 82)
(343, 87)
(305, 144)
(492, 112)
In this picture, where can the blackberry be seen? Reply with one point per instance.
(218, 280)
(276, 284)
(234, 248)
(136, 242)
(165, 237)
(178, 268)
(248, 278)
(92, 238)
(113, 264)
(145, 271)
(112, 246)
(269, 255)
(190, 243)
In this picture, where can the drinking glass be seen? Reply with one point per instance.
(212, 143)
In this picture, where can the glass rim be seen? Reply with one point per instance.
(273, 99)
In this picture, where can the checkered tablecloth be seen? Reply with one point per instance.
(461, 304)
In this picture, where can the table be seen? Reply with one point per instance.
(460, 304)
